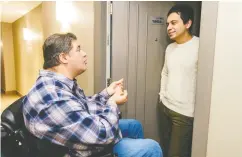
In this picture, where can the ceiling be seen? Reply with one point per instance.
(10, 11)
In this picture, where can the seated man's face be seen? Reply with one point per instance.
(77, 60)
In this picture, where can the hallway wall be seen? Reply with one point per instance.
(31, 30)
(27, 32)
(8, 59)
(81, 24)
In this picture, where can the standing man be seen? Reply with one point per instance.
(178, 83)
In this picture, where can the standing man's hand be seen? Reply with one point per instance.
(115, 87)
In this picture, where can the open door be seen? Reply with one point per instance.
(139, 40)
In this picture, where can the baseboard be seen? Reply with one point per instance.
(11, 92)
(19, 94)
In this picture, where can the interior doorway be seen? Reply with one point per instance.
(139, 40)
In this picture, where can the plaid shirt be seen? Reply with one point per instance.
(56, 109)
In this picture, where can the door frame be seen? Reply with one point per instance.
(208, 28)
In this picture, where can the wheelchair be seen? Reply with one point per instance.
(17, 141)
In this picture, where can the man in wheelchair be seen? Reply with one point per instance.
(57, 112)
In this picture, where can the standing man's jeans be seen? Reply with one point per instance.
(133, 144)
(177, 131)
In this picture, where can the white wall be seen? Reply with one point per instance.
(218, 110)
(225, 126)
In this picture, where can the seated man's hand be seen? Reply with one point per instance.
(115, 86)
(120, 96)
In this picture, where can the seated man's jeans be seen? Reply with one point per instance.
(133, 143)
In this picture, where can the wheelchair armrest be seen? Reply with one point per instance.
(12, 115)
(8, 120)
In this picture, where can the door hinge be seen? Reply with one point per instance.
(108, 39)
(111, 8)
